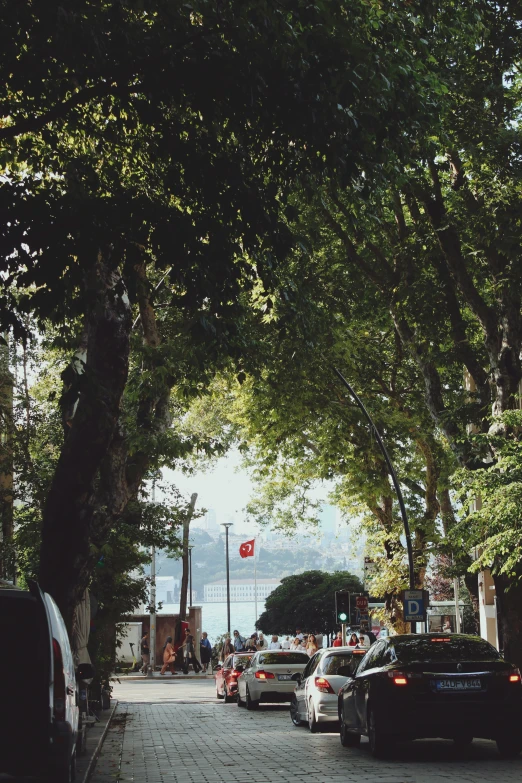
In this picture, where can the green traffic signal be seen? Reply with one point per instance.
(343, 617)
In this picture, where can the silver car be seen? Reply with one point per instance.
(315, 700)
(270, 676)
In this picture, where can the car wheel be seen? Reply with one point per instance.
(251, 704)
(218, 694)
(294, 712)
(312, 720)
(510, 745)
(348, 738)
(463, 740)
(379, 743)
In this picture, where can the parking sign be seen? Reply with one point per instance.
(415, 604)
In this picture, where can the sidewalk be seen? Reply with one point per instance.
(95, 738)
(166, 677)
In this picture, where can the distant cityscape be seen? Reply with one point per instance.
(334, 545)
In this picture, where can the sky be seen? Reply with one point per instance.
(226, 488)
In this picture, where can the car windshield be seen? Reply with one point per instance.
(282, 658)
(241, 660)
(444, 648)
(332, 663)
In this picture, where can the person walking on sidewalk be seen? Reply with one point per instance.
(239, 642)
(145, 652)
(190, 653)
(205, 651)
(169, 656)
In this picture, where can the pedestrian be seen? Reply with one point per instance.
(190, 654)
(286, 643)
(363, 641)
(338, 642)
(261, 643)
(311, 645)
(145, 652)
(169, 656)
(299, 634)
(354, 640)
(228, 647)
(251, 643)
(205, 651)
(275, 644)
(297, 645)
(239, 642)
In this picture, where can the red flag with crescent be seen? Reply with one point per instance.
(247, 549)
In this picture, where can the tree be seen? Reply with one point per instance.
(305, 601)
(155, 154)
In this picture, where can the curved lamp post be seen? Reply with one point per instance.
(392, 474)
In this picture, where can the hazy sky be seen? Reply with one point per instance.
(226, 488)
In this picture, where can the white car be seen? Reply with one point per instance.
(270, 676)
(39, 715)
(316, 694)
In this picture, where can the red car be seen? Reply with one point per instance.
(226, 675)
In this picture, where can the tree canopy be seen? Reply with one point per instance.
(305, 601)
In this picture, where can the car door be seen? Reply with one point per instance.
(242, 682)
(370, 663)
(220, 674)
(300, 688)
(348, 692)
(309, 682)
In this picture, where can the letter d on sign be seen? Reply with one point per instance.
(413, 608)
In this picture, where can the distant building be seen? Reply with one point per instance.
(165, 589)
(240, 589)
(327, 521)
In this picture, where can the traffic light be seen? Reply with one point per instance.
(342, 606)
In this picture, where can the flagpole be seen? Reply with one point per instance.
(255, 580)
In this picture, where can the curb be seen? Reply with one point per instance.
(94, 757)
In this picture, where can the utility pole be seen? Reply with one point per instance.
(7, 567)
(190, 574)
(185, 572)
(152, 607)
(226, 525)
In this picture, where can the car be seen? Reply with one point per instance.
(270, 676)
(412, 686)
(315, 699)
(38, 692)
(227, 674)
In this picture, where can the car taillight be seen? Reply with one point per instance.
(59, 682)
(515, 676)
(399, 678)
(322, 684)
(235, 674)
(261, 675)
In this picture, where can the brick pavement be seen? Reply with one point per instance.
(175, 731)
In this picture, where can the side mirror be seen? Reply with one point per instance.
(240, 668)
(85, 671)
(218, 668)
(298, 678)
(344, 671)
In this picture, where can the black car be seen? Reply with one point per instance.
(453, 686)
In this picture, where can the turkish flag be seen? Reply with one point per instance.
(247, 549)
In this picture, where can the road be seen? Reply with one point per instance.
(176, 730)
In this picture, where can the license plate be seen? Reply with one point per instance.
(284, 676)
(459, 685)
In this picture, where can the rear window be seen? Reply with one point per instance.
(332, 663)
(445, 648)
(241, 660)
(283, 658)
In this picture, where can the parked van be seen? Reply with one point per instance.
(38, 691)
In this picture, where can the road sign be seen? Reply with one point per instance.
(415, 604)
(361, 602)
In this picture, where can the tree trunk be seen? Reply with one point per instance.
(67, 556)
(7, 568)
(509, 603)
(185, 558)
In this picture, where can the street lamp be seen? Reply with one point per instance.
(392, 474)
(226, 525)
(190, 548)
